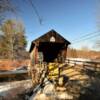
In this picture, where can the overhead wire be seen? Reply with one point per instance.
(86, 37)
(35, 10)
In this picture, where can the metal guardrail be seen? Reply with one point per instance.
(13, 73)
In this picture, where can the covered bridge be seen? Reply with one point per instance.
(52, 45)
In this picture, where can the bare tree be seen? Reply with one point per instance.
(6, 6)
(13, 39)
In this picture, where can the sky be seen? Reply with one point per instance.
(71, 18)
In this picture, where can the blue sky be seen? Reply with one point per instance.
(71, 18)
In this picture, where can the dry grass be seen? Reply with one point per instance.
(9, 65)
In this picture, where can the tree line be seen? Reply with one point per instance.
(83, 53)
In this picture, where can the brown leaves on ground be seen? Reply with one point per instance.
(9, 64)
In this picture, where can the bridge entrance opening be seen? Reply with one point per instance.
(50, 50)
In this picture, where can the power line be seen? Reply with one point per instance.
(85, 36)
(95, 36)
(35, 10)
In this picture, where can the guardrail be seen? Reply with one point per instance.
(86, 64)
(13, 75)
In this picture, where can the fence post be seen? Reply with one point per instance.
(58, 71)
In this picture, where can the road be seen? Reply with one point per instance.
(6, 87)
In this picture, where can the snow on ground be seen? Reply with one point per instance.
(6, 87)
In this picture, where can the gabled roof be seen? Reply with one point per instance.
(46, 37)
